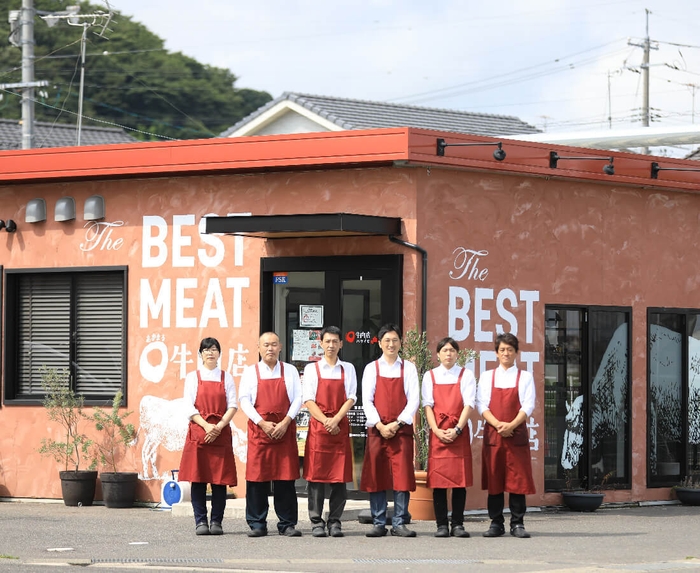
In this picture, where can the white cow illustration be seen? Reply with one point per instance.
(164, 423)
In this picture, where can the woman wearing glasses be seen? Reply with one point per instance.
(210, 400)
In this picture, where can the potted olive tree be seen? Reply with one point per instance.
(577, 497)
(65, 407)
(118, 488)
(688, 492)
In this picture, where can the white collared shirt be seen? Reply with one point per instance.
(249, 388)
(467, 386)
(192, 383)
(506, 379)
(410, 388)
(310, 385)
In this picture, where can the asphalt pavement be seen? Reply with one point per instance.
(36, 536)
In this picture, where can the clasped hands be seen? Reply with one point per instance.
(446, 436)
(387, 431)
(213, 431)
(275, 430)
(505, 429)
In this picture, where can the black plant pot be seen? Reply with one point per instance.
(119, 488)
(582, 501)
(688, 495)
(78, 487)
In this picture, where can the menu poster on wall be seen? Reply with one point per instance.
(306, 345)
(311, 316)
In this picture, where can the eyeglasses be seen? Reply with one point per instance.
(212, 350)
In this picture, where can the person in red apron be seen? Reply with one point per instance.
(506, 398)
(449, 394)
(390, 396)
(329, 391)
(270, 395)
(207, 457)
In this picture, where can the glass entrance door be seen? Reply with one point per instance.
(358, 294)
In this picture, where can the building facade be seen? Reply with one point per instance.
(593, 270)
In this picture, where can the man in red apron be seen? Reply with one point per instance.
(390, 396)
(270, 395)
(329, 391)
(449, 394)
(210, 395)
(506, 399)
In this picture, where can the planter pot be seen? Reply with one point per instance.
(688, 495)
(78, 488)
(119, 488)
(420, 506)
(582, 501)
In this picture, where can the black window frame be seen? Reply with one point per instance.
(580, 476)
(656, 481)
(12, 358)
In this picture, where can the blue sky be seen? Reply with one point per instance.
(547, 62)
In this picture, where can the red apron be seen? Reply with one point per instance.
(449, 465)
(506, 464)
(388, 464)
(328, 458)
(209, 463)
(270, 459)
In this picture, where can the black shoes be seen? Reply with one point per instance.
(376, 531)
(257, 532)
(216, 529)
(459, 531)
(318, 531)
(442, 531)
(495, 531)
(334, 530)
(402, 531)
(202, 529)
(519, 531)
(291, 531)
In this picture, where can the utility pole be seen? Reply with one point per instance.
(646, 45)
(22, 27)
(26, 18)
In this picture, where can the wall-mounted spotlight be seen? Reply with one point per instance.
(65, 209)
(94, 208)
(36, 211)
(655, 168)
(608, 169)
(10, 226)
(498, 155)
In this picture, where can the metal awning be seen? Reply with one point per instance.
(306, 225)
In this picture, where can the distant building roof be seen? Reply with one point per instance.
(322, 113)
(47, 134)
(695, 155)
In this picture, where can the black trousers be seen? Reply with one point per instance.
(198, 493)
(459, 499)
(517, 504)
(257, 505)
(336, 502)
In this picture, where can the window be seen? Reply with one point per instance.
(673, 395)
(65, 320)
(587, 396)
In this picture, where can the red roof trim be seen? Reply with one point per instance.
(366, 148)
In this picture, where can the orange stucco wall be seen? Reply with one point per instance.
(572, 243)
(152, 226)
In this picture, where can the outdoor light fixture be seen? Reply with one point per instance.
(94, 208)
(498, 155)
(655, 168)
(36, 211)
(65, 209)
(10, 226)
(608, 169)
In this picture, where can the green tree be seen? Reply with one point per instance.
(130, 79)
